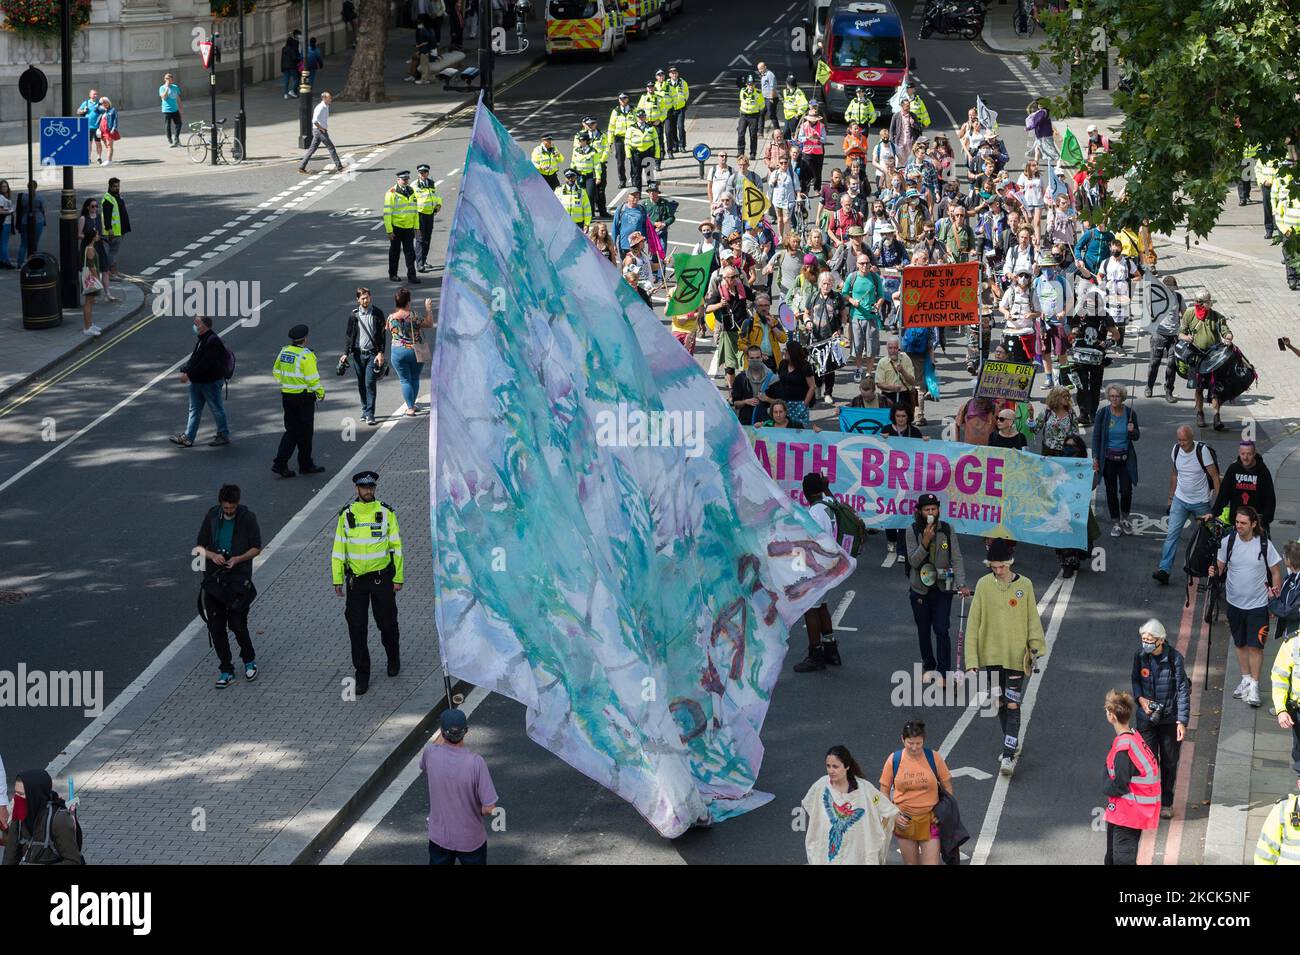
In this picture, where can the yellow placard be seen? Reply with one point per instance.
(753, 203)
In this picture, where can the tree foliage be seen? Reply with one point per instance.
(1210, 80)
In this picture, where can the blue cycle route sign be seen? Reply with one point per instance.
(700, 152)
(65, 141)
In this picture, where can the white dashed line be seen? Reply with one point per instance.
(231, 224)
(287, 287)
(359, 239)
(314, 270)
(765, 32)
(334, 256)
(193, 263)
(150, 270)
(377, 225)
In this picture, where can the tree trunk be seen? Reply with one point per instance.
(366, 75)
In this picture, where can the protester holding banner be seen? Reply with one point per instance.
(895, 380)
(936, 571)
(795, 384)
(866, 396)
(1006, 435)
(1114, 459)
(1003, 636)
(1056, 422)
(976, 421)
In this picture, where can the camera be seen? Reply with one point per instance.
(1155, 711)
(342, 366)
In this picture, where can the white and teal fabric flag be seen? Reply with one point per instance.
(988, 118)
(607, 549)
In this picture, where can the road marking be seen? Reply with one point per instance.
(752, 44)
(765, 32)
(334, 256)
(359, 239)
(150, 270)
(287, 287)
(314, 270)
(377, 225)
(1174, 836)
(841, 610)
(977, 774)
(989, 830)
(196, 626)
(452, 172)
(551, 102)
(359, 831)
(741, 57)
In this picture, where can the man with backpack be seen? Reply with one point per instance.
(935, 570)
(207, 371)
(1205, 328)
(1193, 484)
(44, 831)
(1250, 581)
(229, 539)
(842, 522)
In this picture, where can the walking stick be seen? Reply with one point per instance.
(961, 637)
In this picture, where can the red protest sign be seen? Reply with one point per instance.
(935, 295)
(205, 51)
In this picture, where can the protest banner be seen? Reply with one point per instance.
(692, 272)
(983, 491)
(863, 420)
(1005, 379)
(935, 295)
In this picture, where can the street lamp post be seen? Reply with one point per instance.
(485, 51)
(69, 268)
(304, 88)
(241, 121)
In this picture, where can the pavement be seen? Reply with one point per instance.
(285, 769)
(144, 158)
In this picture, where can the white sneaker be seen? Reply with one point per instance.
(1008, 766)
(89, 332)
(408, 79)
(421, 82)
(95, 329)
(1126, 525)
(1252, 694)
(1240, 691)
(892, 548)
(108, 162)
(1114, 530)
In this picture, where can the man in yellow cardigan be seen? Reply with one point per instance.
(1003, 636)
(763, 330)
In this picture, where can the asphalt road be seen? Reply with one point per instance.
(1049, 811)
(99, 532)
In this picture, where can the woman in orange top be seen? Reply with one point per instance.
(914, 789)
(855, 149)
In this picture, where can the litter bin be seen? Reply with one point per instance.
(39, 278)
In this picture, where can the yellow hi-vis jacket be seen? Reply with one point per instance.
(620, 121)
(678, 93)
(751, 101)
(1286, 211)
(1279, 839)
(643, 138)
(794, 103)
(584, 160)
(1286, 674)
(366, 539)
(919, 110)
(576, 204)
(427, 200)
(863, 112)
(400, 212)
(295, 370)
(654, 106)
(547, 161)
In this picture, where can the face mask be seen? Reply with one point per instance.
(20, 808)
(198, 329)
(1148, 647)
(755, 369)
(1049, 272)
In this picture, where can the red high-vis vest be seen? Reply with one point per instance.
(1139, 808)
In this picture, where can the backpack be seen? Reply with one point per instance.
(48, 843)
(850, 529)
(915, 340)
(929, 755)
(1263, 555)
(228, 366)
(1203, 548)
(1199, 446)
(941, 526)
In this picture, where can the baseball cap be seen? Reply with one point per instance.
(925, 500)
(1092, 128)
(453, 725)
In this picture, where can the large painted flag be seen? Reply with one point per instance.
(607, 549)
(988, 117)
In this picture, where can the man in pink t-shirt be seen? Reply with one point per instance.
(460, 795)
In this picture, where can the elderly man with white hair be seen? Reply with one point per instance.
(1164, 704)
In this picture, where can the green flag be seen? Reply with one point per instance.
(1071, 154)
(823, 73)
(692, 272)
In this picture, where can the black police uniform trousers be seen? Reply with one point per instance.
(677, 128)
(620, 160)
(401, 241)
(1122, 844)
(299, 425)
(671, 143)
(1162, 353)
(638, 158)
(371, 592)
(748, 122)
(552, 179)
(422, 241)
(595, 193)
(663, 144)
(220, 620)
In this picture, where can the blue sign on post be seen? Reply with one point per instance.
(701, 153)
(65, 141)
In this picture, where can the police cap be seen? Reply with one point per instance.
(298, 333)
(570, 174)
(584, 137)
(640, 114)
(588, 119)
(546, 136)
(749, 80)
(404, 174)
(660, 72)
(365, 478)
(423, 167)
(622, 96)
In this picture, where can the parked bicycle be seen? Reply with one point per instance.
(229, 149)
(1025, 18)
